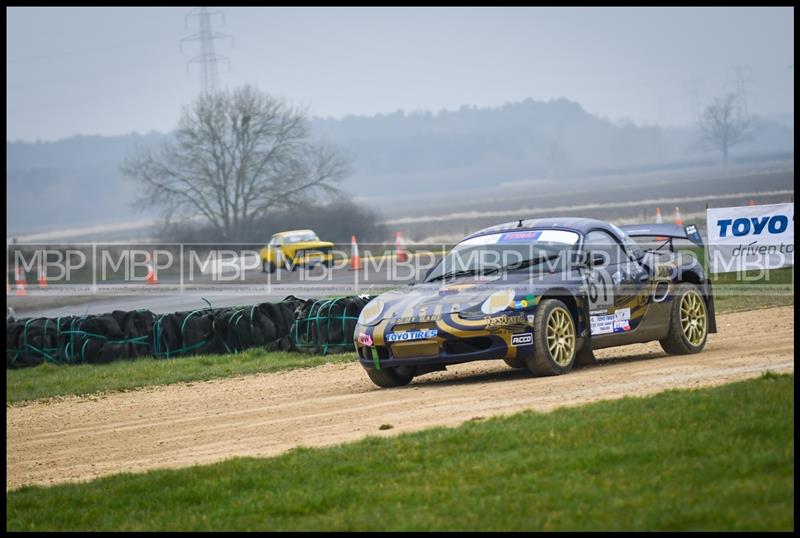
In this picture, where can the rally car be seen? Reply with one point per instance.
(541, 294)
(295, 248)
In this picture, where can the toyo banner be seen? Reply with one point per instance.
(750, 237)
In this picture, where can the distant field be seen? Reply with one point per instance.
(606, 198)
(710, 459)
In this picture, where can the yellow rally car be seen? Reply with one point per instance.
(295, 248)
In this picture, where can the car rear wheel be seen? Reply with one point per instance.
(688, 324)
(391, 377)
(554, 339)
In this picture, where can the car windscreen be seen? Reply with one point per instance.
(507, 251)
(297, 238)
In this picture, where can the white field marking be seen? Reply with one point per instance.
(466, 215)
(669, 178)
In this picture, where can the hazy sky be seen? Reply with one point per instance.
(116, 70)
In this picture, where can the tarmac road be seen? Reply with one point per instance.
(168, 296)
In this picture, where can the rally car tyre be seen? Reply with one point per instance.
(267, 267)
(585, 357)
(515, 362)
(554, 339)
(391, 377)
(688, 324)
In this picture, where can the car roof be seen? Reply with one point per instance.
(289, 232)
(578, 224)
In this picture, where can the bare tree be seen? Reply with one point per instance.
(236, 155)
(722, 125)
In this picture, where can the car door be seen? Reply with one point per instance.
(616, 290)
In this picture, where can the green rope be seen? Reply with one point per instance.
(318, 317)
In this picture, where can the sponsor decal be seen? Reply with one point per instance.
(622, 326)
(504, 320)
(524, 339)
(520, 236)
(750, 237)
(364, 339)
(603, 324)
(522, 303)
(622, 313)
(411, 335)
(775, 224)
(692, 233)
(530, 319)
(617, 277)
(416, 319)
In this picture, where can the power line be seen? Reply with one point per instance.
(207, 58)
(694, 96)
(92, 50)
(741, 93)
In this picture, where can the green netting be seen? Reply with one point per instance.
(70, 344)
(325, 326)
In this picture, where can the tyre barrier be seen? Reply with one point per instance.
(327, 325)
(320, 326)
(78, 339)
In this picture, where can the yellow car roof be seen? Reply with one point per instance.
(295, 232)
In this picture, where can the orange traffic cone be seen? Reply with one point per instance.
(21, 281)
(355, 261)
(402, 255)
(751, 202)
(151, 272)
(678, 219)
(42, 280)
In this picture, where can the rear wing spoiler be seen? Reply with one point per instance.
(666, 231)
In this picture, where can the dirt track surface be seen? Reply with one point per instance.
(262, 415)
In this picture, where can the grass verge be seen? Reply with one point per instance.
(753, 290)
(48, 380)
(709, 459)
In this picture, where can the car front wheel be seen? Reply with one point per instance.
(554, 339)
(397, 376)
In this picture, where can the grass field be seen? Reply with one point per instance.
(751, 290)
(710, 459)
(48, 380)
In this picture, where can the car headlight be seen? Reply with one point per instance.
(371, 313)
(498, 301)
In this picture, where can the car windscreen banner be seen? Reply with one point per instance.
(753, 237)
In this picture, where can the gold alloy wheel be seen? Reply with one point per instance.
(693, 317)
(560, 336)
